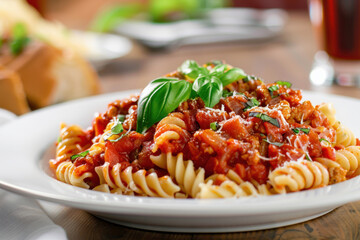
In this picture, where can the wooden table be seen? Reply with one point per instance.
(288, 57)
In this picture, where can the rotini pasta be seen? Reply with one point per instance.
(348, 159)
(182, 171)
(344, 136)
(139, 182)
(69, 142)
(299, 175)
(209, 131)
(169, 129)
(66, 173)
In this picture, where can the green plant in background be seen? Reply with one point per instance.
(155, 11)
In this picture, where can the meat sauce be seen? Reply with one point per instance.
(243, 142)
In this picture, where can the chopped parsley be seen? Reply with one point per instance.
(59, 139)
(323, 139)
(253, 102)
(116, 129)
(83, 154)
(214, 126)
(298, 130)
(272, 89)
(284, 83)
(307, 157)
(273, 143)
(265, 118)
(226, 93)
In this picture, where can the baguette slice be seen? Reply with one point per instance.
(12, 94)
(50, 75)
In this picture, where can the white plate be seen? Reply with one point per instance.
(102, 48)
(24, 170)
(6, 116)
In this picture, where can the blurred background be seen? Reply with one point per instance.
(126, 44)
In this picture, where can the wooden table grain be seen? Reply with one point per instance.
(287, 57)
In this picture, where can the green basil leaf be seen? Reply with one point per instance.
(219, 70)
(284, 83)
(232, 75)
(191, 69)
(273, 143)
(265, 118)
(209, 89)
(214, 126)
(304, 130)
(272, 89)
(248, 78)
(307, 157)
(159, 98)
(83, 154)
(253, 102)
(117, 128)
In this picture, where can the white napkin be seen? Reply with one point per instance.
(22, 218)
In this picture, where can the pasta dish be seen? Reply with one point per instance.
(209, 131)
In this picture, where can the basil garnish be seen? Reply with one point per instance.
(272, 89)
(214, 126)
(273, 143)
(253, 102)
(284, 83)
(116, 129)
(307, 157)
(192, 70)
(226, 93)
(208, 89)
(323, 139)
(232, 75)
(83, 154)
(304, 130)
(265, 118)
(163, 95)
(158, 99)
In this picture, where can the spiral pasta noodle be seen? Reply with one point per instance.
(140, 182)
(65, 172)
(183, 172)
(329, 111)
(348, 159)
(69, 144)
(299, 175)
(168, 129)
(229, 189)
(344, 136)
